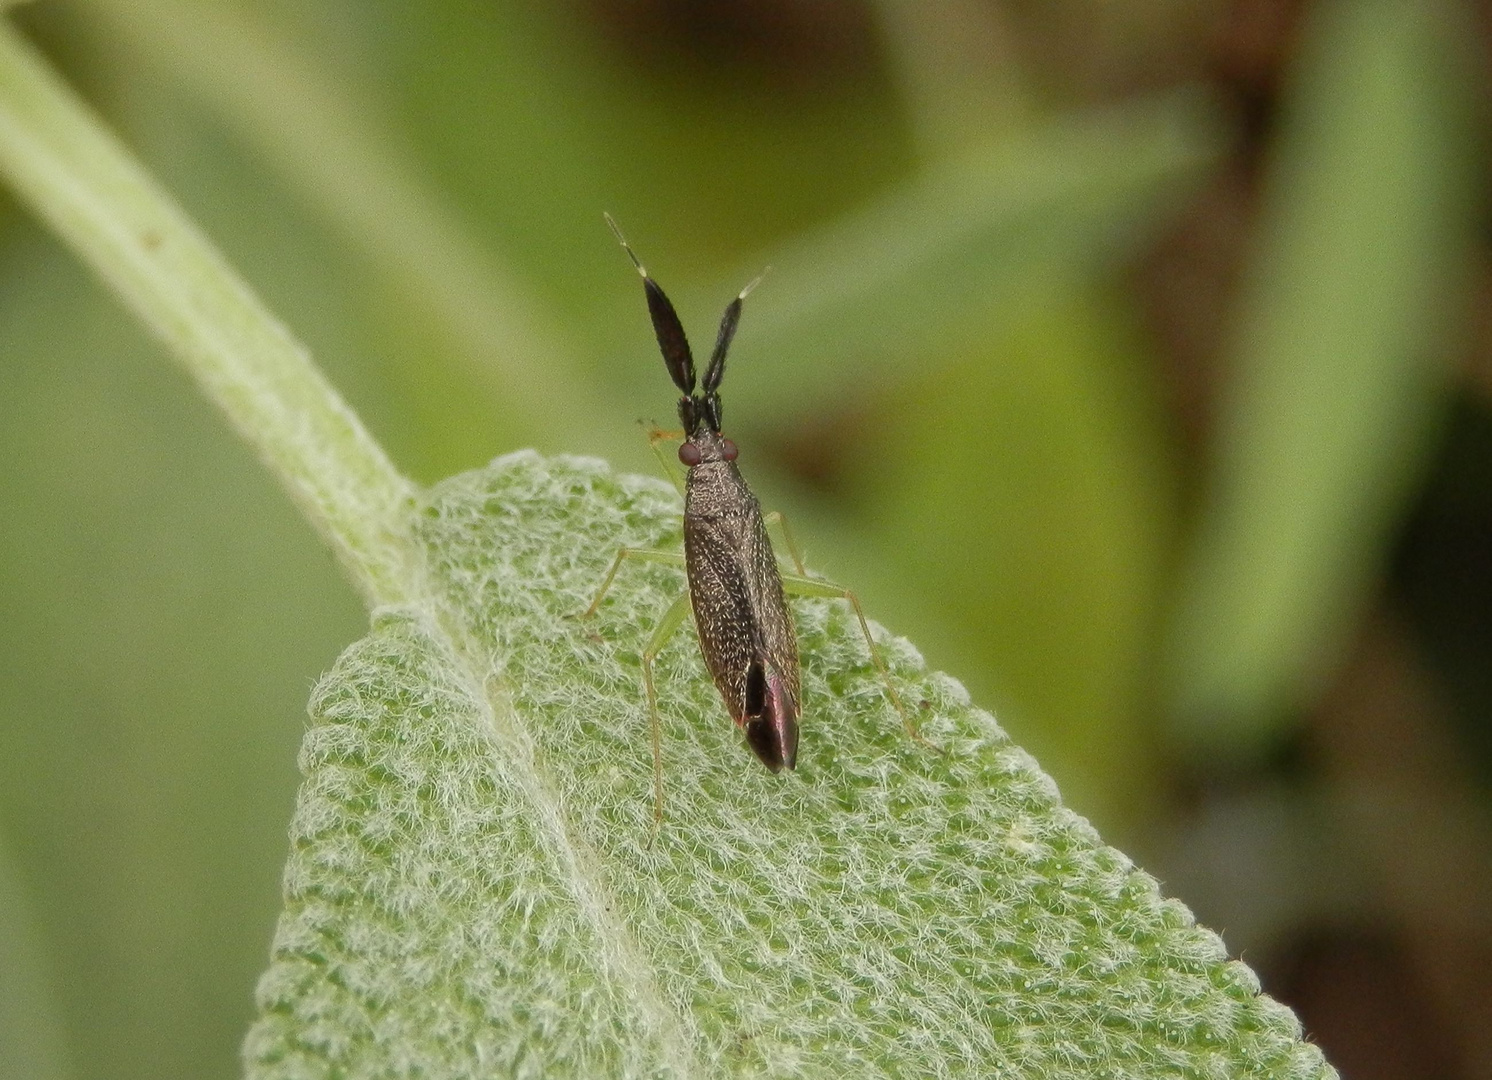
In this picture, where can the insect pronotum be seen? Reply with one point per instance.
(735, 588)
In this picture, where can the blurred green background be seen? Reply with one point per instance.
(1133, 359)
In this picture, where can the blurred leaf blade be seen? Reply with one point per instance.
(1338, 366)
(1023, 507)
(33, 1039)
(925, 266)
(475, 883)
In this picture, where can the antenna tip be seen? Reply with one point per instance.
(616, 231)
(753, 283)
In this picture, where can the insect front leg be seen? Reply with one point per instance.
(656, 437)
(807, 586)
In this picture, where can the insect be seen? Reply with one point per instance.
(735, 588)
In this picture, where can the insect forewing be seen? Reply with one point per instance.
(745, 630)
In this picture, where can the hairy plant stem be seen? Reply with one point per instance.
(64, 163)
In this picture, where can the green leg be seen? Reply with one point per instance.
(672, 558)
(656, 436)
(787, 538)
(676, 613)
(807, 586)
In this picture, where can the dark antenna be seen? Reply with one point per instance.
(716, 371)
(671, 340)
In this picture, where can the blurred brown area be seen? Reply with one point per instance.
(1404, 991)
(1401, 741)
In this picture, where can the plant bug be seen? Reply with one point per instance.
(735, 588)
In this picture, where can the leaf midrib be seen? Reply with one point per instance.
(621, 956)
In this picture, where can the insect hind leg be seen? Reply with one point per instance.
(675, 615)
(806, 586)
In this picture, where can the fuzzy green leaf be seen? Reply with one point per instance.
(476, 887)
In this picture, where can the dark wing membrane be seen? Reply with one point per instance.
(756, 688)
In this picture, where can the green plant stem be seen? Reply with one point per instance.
(326, 145)
(68, 168)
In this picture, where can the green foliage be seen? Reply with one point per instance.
(1337, 376)
(476, 886)
(32, 1042)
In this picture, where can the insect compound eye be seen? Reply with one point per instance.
(729, 450)
(689, 454)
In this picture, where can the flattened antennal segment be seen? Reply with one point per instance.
(670, 332)
(716, 371)
(671, 340)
